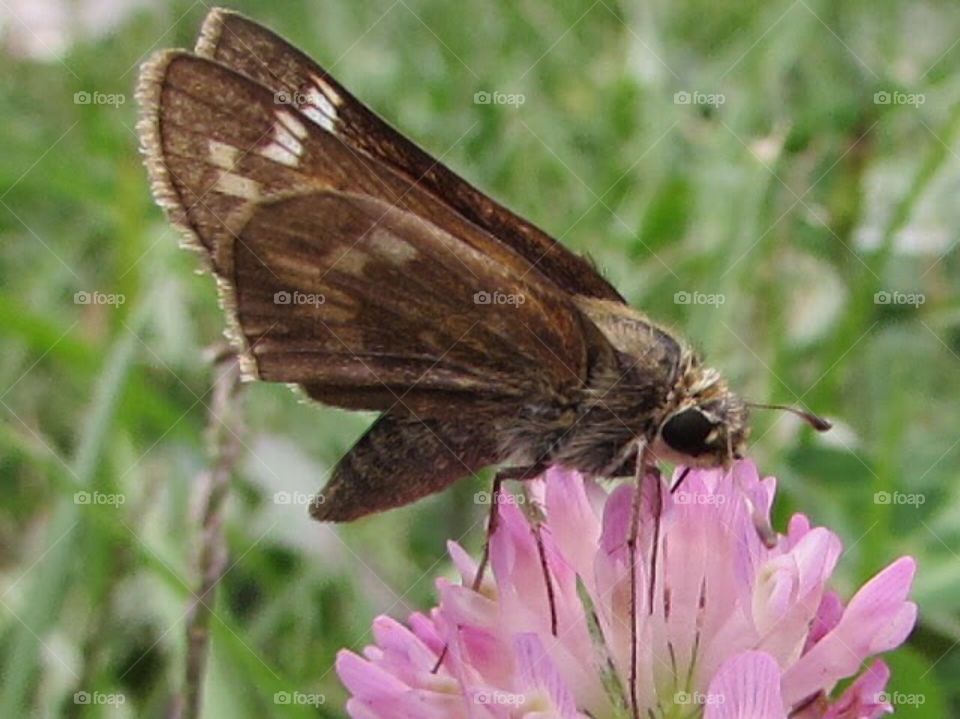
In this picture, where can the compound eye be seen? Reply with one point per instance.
(687, 432)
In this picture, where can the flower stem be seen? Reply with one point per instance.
(211, 558)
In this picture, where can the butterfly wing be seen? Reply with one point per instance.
(401, 459)
(338, 273)
(294, 78)
(378, 300)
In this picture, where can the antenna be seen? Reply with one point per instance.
(818, 423)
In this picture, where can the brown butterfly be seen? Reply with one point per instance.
(355, 266)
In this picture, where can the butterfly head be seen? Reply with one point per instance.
(705, 424)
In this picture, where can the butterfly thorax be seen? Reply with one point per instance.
(633, 365)
(640, 377)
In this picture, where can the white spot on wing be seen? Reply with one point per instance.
(391, 247)
(327, 90)
(285, 146)
(318, 117)
(293, 124)
(222, 155)
(321, 104)
(317, 99)
(280, 154)
(235, 185)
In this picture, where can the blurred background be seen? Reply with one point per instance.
(777, 181)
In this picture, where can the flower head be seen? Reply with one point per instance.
(736, 629)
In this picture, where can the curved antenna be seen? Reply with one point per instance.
(818, 423)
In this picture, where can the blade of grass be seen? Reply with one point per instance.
(49, 578)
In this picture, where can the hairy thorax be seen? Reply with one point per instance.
(633, 365)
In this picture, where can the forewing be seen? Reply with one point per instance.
(280, 205)
(217, 142)
(294, 78)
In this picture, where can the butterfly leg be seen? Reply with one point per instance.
(536, 516)
(643, 469)
(516, 473)
(519, 474)
(679, 482)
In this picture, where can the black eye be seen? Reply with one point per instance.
(687, 432)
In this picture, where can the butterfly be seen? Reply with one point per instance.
(356, 267)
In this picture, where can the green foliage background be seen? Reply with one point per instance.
(798, 198)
